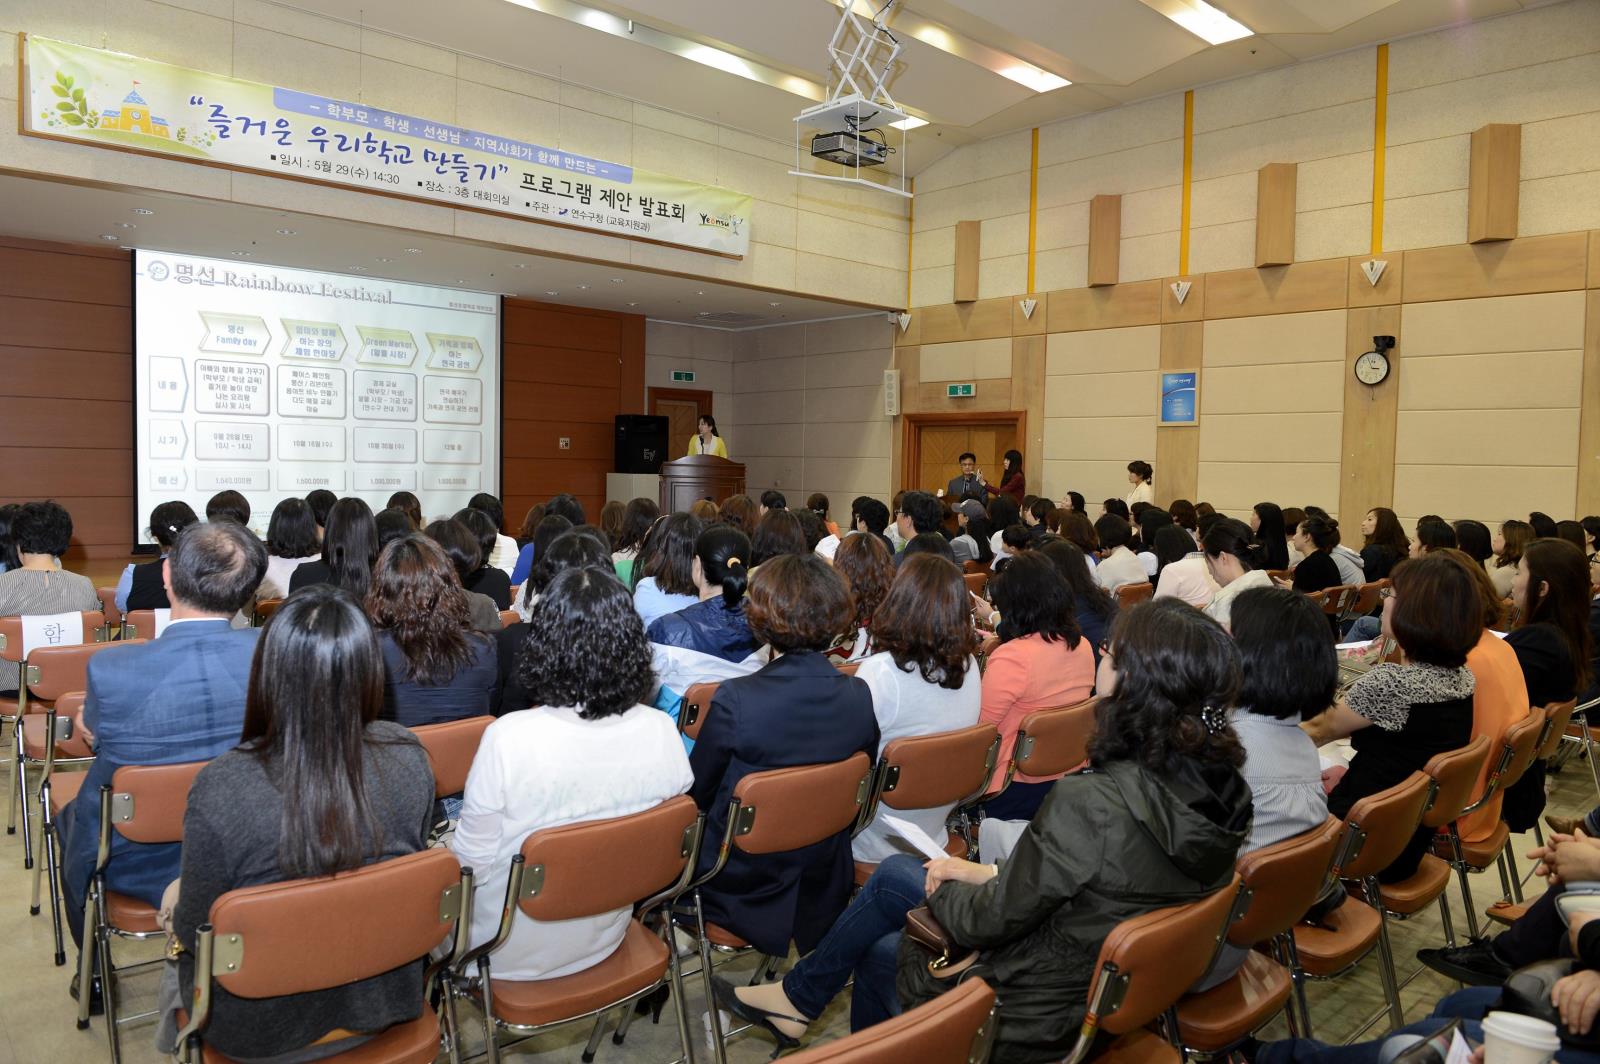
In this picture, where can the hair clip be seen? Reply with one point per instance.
(735, 560)
(1214, 719)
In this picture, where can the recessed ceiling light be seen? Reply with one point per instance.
(1034, 78)
(413, 251)
(705, 314)
(774, 304)
(240, 254)
(461, 280)
(616, 280)
(912, 122)
(699, 293)
(143, 210)
(110, 236)
(1202, 20)
(127, 225)
(519, 265)
(552, 293)
(385, 260)
(633, 304)
(288, 232)
(583, 288)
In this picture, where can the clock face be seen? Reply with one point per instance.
(1372, 367)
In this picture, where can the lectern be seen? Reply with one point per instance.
(699, 476)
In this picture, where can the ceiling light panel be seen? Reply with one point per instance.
(1201, 19)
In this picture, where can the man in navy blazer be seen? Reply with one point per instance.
(179, 698)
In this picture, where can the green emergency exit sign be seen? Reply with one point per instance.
(683, 376)
(960, 391)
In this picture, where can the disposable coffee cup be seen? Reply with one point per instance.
(1512, 1039)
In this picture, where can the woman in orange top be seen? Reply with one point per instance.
(1042, 662)
(1501, 698)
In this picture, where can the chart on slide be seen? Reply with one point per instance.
(274, 381)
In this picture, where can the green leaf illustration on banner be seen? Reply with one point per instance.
(66, 105)
(77, 94)
(61, 76)
(72, 120)
(58, 90)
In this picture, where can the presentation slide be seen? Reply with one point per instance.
(275, 382)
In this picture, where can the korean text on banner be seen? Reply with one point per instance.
(110, 100)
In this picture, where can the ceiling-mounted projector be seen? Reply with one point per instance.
(849, 148)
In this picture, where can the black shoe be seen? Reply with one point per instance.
(97, 1004)
(1474, 964)
(722, 990)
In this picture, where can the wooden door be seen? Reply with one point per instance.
(682, 408)
(940, 447)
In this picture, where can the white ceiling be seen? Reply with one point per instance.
(81, 214)
(1114, 51)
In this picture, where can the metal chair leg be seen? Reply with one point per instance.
(53, 858)
(1589, 752)
(1516, 877)
(11, 780)
(1298, 976)
(680, 1007)
(1538, 833)
(108, 993)
(1391, 990)
(491, 1049)
(21, 795)
(1460, 865)
(1444, 918)
(758, 975)
(594, 1035)
(86, 952)
(713, 1014)
(1505, 878)
(45, 828)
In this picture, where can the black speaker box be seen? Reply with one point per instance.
(641, 443)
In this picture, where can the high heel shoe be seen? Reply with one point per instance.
(730, 1002)
(653, 1003)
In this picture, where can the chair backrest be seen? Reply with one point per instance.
(304, 935)
(70, 707)
(954, 1028)
(596, 867)
(265, 608)
(1147, 963)
(11, 633)
(139, 624)
(976, 582)
(451, 747)
(1557, 717)
(1455, 776)
(509, 618)
(784, 809)
(108, 604)
(929, 771)
(1378, 826)
(1133, 594)
(148, 801)
(1052, 741)
(1336, 599)
(1280, 574)
(1522, 739)
(55, 671)
(847, 667)
(1284, 880)
(971, 566)
(696, 704)
(1366, 597)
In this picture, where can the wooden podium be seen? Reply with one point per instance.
(699, 476)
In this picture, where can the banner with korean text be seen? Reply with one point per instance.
(110, 100)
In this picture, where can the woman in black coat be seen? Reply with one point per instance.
(797, 710)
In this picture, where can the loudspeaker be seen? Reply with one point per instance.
(641, 443)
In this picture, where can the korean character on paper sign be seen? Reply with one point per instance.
(183, 272)
(206, 275)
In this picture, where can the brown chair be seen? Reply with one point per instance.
(579, 870)
(847, 667)
(142, 803)
(139, 624)
(1518, 743)
(776, 811)
(264, 610)
(957, 1027)
(1049, 742)
(1585, 735)
(1283, 880)
(1376, 830)
(1145, 965)
(943, 770)
(977, 582)
(509, 618)
(1454, 776)
(305, 935)
(1336, 600)
(108, 606)
(1130, 595)
(1366, 599)
(696, 704)
(451, 746)
(1280, 574)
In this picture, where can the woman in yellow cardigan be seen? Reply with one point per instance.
(706, 440)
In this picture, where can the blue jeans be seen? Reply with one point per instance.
(1364, 630)
(1471, 1005)
(864, 940)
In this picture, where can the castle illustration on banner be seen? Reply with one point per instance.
(134, 116)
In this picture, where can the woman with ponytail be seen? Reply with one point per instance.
(715, 625)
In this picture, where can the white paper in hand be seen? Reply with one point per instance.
(918, 838)
(1460, 1052)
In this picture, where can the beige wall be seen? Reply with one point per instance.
(811, 237)
(709, 353)
(1099, 400)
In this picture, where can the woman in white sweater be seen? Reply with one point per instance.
(924, 678)
(1140, 475)
(588, 750)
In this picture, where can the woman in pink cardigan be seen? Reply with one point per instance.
(1042, 662)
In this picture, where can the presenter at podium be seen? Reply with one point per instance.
(705, 440)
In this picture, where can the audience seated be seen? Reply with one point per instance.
(321, 502)
(349, 549)
(1292, 516)
(818, 504)
(1384, 543)
(796, 710)
(1352, 569)
(581, 548)
(868, 570)
(1182, 571)
(393, 523)
(972, 544)
(8, 540)
(1003, 513)
(409, 505)
(705, 511)
(716, 624)
(812, 531)
(1151, 520)
(1093, 609)
(1508, 544)
(588, 750)
(636, 520)
(291, 543)
(43, 531)
(1158, 822)
(777, 533)
(740, 512)
(1397, 716)
(1267, 523)
(1288, 675)
(317, 785)
(1314, 539)
(1473, 540)
(1042, 662)
(503, 556)
(486, 579)
(460, 546)
(1235, 557)
(549, 528)
(918, 513)
(228, 505)
(178, 698)
(870, 516)
(436, 668)
(1572, 532)
(663, 574)
(1432, 534)
(1118, 565)
(772, 499)
(140, 586)
(923, 678)
(934, 543)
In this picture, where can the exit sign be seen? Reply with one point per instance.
(960, 391)
(683, 376)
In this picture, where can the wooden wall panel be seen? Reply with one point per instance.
(1110, 307)
(968, 258)
(1367, 450)
(1275, 199)
(1506, 268)
(1364, 293)
(1177, 458)
(1193, 307)
(1319, 285)
(1105, 240)
(1589, 413)
(982, 320)
(1594, 258)
(1494, 179)
(1027, 390)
